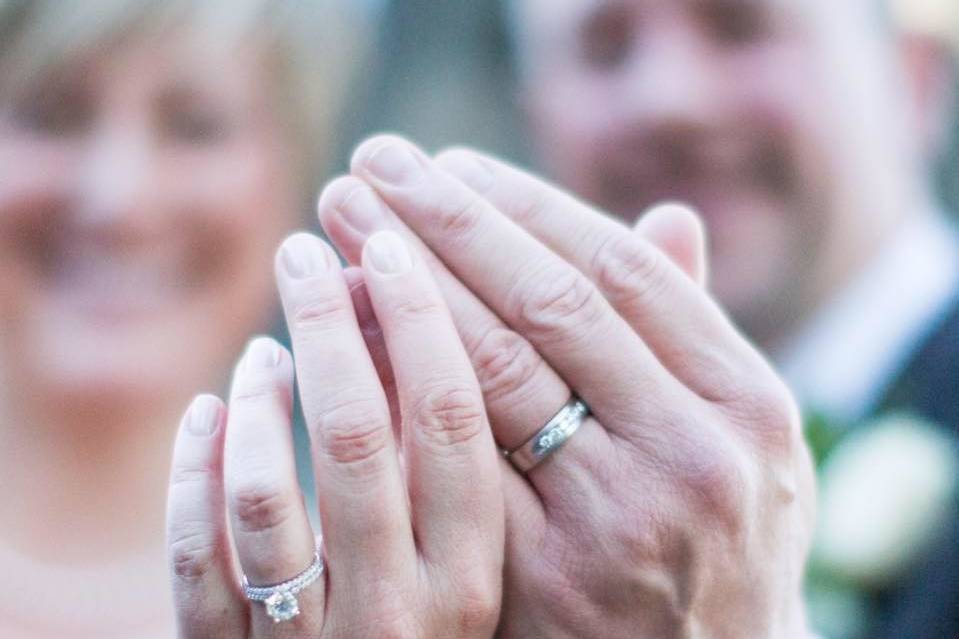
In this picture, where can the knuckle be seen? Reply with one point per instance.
(771, 415)
(448, 414)
(253, 392)
(537, 204)
(556, 303)
(716, 483)
(458, 216)
(260, 507)
(355, 432)
(395, 630)
(413, 312)
(386, 615)
(504, 362)
(390, 616)
(319, 311)
(192, 554)
(478, 608)
(637, 538)
(717, 375)
(627, 270)
(187, 475)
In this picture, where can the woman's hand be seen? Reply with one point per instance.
(683, 507)
(411, 549)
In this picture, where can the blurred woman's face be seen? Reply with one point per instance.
(142, 192)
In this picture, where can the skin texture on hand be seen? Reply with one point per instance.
(684, 505)
(412, 549)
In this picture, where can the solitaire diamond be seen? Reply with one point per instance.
(282, 606)
(279, 599)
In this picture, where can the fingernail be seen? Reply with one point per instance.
(304, 255)
(262, 352)
(203, 415)
(394, 163)
(388, 254)
(362, 210)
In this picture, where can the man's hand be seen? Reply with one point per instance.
(684, 505)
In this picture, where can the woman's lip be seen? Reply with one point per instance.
(114, 303)
(117, 287)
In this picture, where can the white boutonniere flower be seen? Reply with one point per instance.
(884, 492)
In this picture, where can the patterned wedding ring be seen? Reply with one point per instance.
(550, 437)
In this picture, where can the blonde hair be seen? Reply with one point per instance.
(311, 46)
(938, 18)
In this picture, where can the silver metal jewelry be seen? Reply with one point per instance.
(280, 599)
(550, 437)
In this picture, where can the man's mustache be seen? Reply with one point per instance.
(681, 165)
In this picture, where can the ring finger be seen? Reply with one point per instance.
(271, 530)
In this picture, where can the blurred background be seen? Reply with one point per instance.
(153, 153)
(444, 74)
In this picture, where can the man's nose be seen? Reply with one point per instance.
(672, 80)
(114, 177)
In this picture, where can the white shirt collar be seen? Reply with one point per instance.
(847, 355)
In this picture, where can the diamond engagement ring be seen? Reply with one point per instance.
(550, 437)
(280, 599)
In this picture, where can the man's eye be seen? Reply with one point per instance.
(53, 114)
(736, 24)
(607, 41)
(195, 126)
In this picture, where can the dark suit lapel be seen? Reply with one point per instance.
(929, 385)
(927, 604)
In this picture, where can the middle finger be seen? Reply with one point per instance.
(446, 439)
(363, 501)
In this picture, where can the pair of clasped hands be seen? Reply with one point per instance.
(481, 301)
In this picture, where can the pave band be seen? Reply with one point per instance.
(550, 437)
(279, 599)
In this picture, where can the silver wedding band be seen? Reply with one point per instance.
(280, 599)
(550, 437)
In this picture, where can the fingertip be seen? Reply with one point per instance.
(678, 230)
(366, 150)
(266, 365)
(204, 416)
(676, 217)
(304, 256)
(387, 254)
(263, 352)
(199, 441)
(335, 194)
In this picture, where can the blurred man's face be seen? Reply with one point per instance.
(751, 110)
(143, 191)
